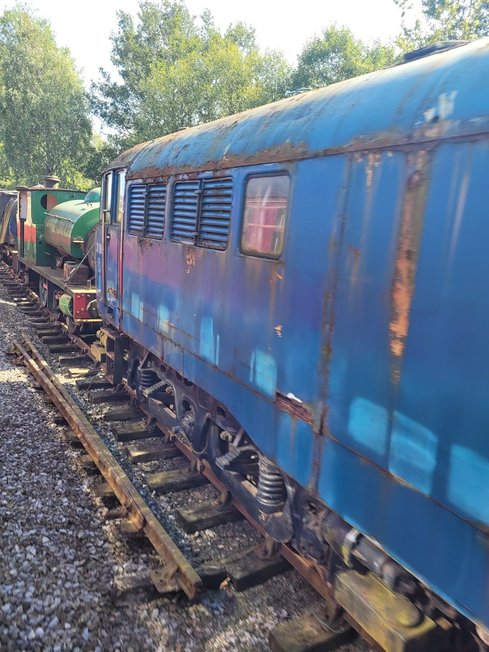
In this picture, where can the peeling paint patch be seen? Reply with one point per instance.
(444, 108)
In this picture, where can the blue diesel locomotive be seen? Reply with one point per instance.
(301, 292)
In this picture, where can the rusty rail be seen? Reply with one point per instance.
(176, 568)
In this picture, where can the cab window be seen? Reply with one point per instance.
(106, 197)
(121, 186)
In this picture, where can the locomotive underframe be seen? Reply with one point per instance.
(379, 596)
(51, 287)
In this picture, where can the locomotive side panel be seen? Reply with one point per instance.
(350, 358)
(245, 327)
(408, 365)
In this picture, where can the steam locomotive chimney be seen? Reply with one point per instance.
(51, 182)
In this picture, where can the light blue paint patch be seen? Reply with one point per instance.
(413, 452)
(294, 448)
(283, 449)
(218, 345)
(368, 424)
(468, 484)
(136, 306)
(207, 346)
(264, 372)
(164, 319)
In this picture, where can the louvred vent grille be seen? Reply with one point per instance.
(135, 209)
(155, 213)
(146, 210)
(215, 213)
(185, 207)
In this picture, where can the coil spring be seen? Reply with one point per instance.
(271, 488)
(147, 378)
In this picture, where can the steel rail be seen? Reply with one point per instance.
(177, 568)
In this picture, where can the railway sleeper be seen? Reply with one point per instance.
(46, 331)
(130, 530)
(207, 515)
(31, 312)
(252, 568)
(93, 383)
(43, 325)
(107, 396)
(123, 414)
(53, 339)
(87, 463)
(310, 633)
(77, 357)
(135, 583)
(165, 482)
(62, 348)
(133, 432)
(150, 452)
(21, 301)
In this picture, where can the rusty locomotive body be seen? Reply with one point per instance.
(301, 293)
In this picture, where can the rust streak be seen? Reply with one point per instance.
(406, 260)
(294, 408)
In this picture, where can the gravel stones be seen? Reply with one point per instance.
(60, 560)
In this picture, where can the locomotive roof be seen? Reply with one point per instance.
(439, 96)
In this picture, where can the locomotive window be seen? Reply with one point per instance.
(265, 210)
(107, 194)
(121, 186)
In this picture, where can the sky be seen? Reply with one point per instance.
(85, 27)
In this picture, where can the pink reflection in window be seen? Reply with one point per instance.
(264, 215)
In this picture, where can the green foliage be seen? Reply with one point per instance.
(177, 71)
(443, 20)
(337, 55)
(44, 120)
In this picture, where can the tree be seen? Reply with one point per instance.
(44, 119)
(442, 20)
(337, 55)
(177, 71)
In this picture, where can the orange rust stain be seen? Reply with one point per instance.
(190, 260)
(406, 261)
